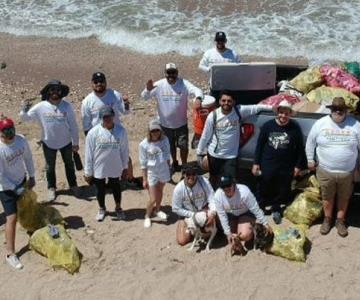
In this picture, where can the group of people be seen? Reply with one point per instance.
(331, 148)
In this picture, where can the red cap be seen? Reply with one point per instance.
(6, 123)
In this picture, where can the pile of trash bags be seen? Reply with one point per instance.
(48, 235)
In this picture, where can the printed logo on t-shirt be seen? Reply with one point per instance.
(279, 140)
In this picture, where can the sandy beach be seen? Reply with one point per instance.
(120, 258)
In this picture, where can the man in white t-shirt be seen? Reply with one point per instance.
(332, 149)
(218, 55)
(172, 94)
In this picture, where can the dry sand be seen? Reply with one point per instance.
(122, 259)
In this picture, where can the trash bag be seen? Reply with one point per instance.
(353, 68)
(336, 77)
(33, 215)
(60, 250)
(324, 95)
(307, 80)
(276, 99)
(289, 243)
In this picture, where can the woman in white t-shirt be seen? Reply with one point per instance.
(154, 157)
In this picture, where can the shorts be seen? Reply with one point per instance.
(335, 183)
(234, 220)
(8, 200)
(162, 174)
(178, 137)
(220, 166)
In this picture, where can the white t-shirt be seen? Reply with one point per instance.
(172, 100)
(106, 152)
(337, 145)
(152, 155)
(58, 123)
(15, 160)
(214, 56)
(241, 202)
(92, 104)
(186, 201)
(225, 143)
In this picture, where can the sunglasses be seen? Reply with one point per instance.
(226, 186)
(99, 81)
(55, 89)
(155, 130)
(171, 72)
(190, 173)
(338, 110)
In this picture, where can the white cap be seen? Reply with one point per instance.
(208, 101)
(170, 66)
(285, 104)
(154, 124)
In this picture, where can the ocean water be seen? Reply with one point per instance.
(317, 30)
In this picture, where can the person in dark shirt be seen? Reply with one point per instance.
(279, 156)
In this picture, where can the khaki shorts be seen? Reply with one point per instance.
(334, 183)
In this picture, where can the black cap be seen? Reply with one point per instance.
(225, 181)
(220, 36)
(98, 76)
(192, 167)
(106, 111)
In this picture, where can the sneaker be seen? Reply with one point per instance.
(51, 194)
(341, 227)
(14, 261)
(325, 226)
(147, 222)
(100, 216)
(76, 191)
(161, 215)
(120, 214)
(276, 215)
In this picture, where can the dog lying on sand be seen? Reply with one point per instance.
(197, 227)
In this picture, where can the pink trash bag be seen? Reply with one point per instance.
(275, 100)
(336, 77)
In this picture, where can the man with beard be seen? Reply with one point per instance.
(279, 157)
(221, 137)
(335, 139)
(15, 161)
(172, 93)
(100, 97)
(59, 132)
(218, 55)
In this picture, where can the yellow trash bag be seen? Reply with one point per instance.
(33, 215)
(289, 243)
(60, 251)
(307, 80)
(325, 94)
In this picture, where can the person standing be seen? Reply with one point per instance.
(172, 94)
(221, 137)
(154, 157)
(107, 158)
(332, 149)
(279, 157)
(15, 161)
(219, 54)
(59, 132)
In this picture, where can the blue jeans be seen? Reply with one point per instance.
(50, 159)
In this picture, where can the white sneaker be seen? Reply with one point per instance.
(147, 222)
(100, 216)
(14, 261)
(161, 215)
(51, 195)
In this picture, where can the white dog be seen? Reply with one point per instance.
(196, 225)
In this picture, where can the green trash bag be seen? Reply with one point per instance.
(325, 94)
(60, 251)
(289, 243)
(33, 215)
(353, 68)
(306, 208)
(307, 80)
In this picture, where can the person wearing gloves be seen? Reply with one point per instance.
(220, 139)
(15, 161)
(59, 132)
(172, 93)
(332, 149)
(154, 157)
(219, 54)
(192, 194)
(103, 96)
(106, 158)
(238, 210)
(279, 157)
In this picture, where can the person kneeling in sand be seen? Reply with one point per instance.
(154, 157)
(238, 210)
(192, 194)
